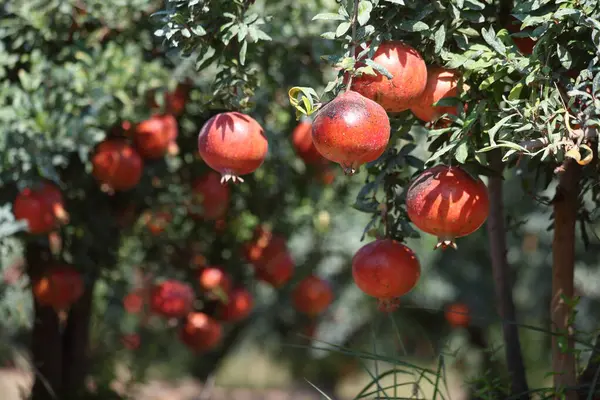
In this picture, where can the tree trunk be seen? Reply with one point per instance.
(502, 280)
(563, 260)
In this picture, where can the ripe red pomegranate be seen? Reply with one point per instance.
(156, 136)
(200, 332)
(212, 196)
(277, 269)
(232, 144)
(117, 165)
(171, 299)
(457, 315)
(133, 303)
(304, 146)
(447, 202)
(42, 207)
(351, 130)
(58, 287)
(312, 296)
(408, 82)
(524, 44)
(215, 281)
(327, 176)
(131, 341)
(385, 269)
(441, 83)
(175, 101)
(238, 307)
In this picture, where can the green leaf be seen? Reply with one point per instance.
(441, 152)
(439, 38)
(329, 17)
(494, 130)
(564, 56)
(504, 144)
(462, 152)
(413, 26)
(243, 51)
(379, 68)
(342, 29)
(490, 38)
(515, 92)
(364, 11)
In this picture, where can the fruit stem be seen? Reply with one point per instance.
(353, 44)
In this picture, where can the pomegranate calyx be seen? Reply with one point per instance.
(445, 242)
(388, 305)
(227, 176)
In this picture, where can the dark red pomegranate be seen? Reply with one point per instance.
(42, 207)
(457, 315)
(304, 146)
(408, 82)
(156, 136)
(386, 269)
(117, 165)
(447, 202)
(133, 303)
(351, 130)
(312, 295)
(58, 287)
(215, 282)
(175, 101)
(212, 196)
(441, 83)
(238, 306)
(232, 144)
(200, 332)
(171, 299)
(524, 44)
(277, 269)
(131, 341)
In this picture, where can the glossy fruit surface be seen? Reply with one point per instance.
(457, 315)
(215, 281)
(409, 77)
(447, 202)
(172, 299)
(312, 295)
(156, 136)
(304, 146)
(238, 306)
(31, 206)
(212, 196)
(200, 332)
(351, 130)
(277, 269)
(58, 287)
(385, 269)
(441, 83)
(232, 144)
(117, 165)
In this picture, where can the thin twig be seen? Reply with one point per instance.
(353, 44)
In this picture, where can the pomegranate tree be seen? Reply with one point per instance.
(409, 77)
(200, 332)
(312, 295)
(212, 196)
(232, 144)
(441, 83)
(59, 286)
(156, 136)
(351, 130)
(117, 165)
(386, 269)
(171, 299)
(447, 202)
(237, 307)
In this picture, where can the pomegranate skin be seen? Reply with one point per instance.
(409, 77)
(200, 332)
(447, 202)
(441, 83)
(457, 315)
(117, 165)
(58, 287)
(30, 206)
(156, 136)
(212, 196)
(304, 146)
(277, 270)
(312, 296)
(238, 307)
(351, 130)
(171, 299)
(385, 269)
(232, 144)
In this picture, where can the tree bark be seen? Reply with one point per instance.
(563, 261)
(502, 279)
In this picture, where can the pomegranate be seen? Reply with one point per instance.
(457, 315)
(42, 207)
(385, 269)
(304, 146)
(276, 270)
(312, 296)
(232, 144)
(441, 83)
(238, 307)
(327, 176)
(524, 44)
(351, 130)
(447, 202)
(156, 136)
(117, 165)
(200, 332)
(171, 299)
(133, 303)
(408, 82)
(215, 281)
(131, 341)
(58, 287)
(175, 101)
(212, 196)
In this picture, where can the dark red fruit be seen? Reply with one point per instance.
(212, 196)
(351, 130)
(215, 281)
(312, 296)
(447, 202)
(156, 136)
(276, 270)
(524, 44)
(238, 307)
(441, 83)
(457, 315)
(385, 269)
(175, 101)
(409, 77)
(200, 332)
(117, 165)
(270, 256)
(42, 207)
(58, 287)
(172, 299)
(304, 146)
(232, 144)
(133, 303)
(131, 341)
